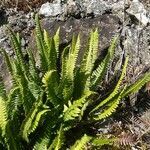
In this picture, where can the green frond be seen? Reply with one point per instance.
(26, 94)
(98, 74)
(64, 57)
(81, 143)
(15, 39)
(56, 41)
(52, 56)
(48, 130)
(33, 68)
(82, 76)
(58, 141)
(95, 46)
(11, 141)
(2, 89)
(14, 102)
(8, 61)
(110, 107)
(102, 141)
(116, 89)
(42, 145)
(89, 63)
(41, 44)
(64, 62)
(47, 41)
(133, 88)
(27, 125)
(75, 110)
(50, 81)
(68, 79)
(51, 49)
(3, 116)
(36, 121)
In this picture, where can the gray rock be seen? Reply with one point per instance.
(97, 7)
(51, 9)
(107, 24)
(74, 8)
(137, 9)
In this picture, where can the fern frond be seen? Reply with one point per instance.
(14, 102)
(98, 74)
(37, 120)
(95, 46)
(41, 45)
(27, 96)
(70, 69)
(3, 116)
(2, 89)
(42, 145)
(50, 81)
(56, 41)
(52, 57)
(8, 61)
(51, 49)
(5, 127)
(32, 67)
(49, 128)
(75, 110)
(80, 144)
(116, 89)
(58, 141)
(27, 125)
(102, 141)
(88, 65)
(137, 85)
(112, 106)
(17, 48)
(126, 139)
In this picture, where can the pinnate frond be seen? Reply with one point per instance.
(100, 141)
(98, 74)
(110, 107)
(133, 88)
(50, 81)
(58, 141)
(32, 119)
(116, 89)
(3, 116)
(74, 110)
(81, 143)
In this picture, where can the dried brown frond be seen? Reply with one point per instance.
(126, 139)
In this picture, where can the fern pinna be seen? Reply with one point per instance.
(46, 103)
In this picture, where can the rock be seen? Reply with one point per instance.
(3, 17)
(73, 8)
(136, 45)
(137, 9)
(118, 8)
(96, 7)
(51, 9)
(107, 25)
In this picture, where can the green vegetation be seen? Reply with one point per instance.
(45, 103)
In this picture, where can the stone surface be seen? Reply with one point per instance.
(108, 26)
(51, 9)
(137, 9)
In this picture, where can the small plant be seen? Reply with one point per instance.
(46, 103)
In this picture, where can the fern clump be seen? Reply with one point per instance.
(46, 103)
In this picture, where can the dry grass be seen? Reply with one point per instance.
(24, 5)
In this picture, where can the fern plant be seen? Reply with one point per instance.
(46, 103)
